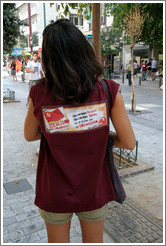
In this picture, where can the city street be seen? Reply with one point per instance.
(22, 223)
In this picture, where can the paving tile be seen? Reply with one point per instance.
(9, 221)
(19, 225)
(21, 217)
(42, 233)
(76, 239)
(31, 238)
(132, 228)
(145, 189)
(13, 236)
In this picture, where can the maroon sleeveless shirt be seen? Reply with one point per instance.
(72, 172)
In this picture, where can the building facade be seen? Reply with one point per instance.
(43, 14)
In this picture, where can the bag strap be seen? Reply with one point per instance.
(105, 86)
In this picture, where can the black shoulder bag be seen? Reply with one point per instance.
(118, 187)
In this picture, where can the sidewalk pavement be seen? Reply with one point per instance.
(22, 222)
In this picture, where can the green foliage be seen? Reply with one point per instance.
(84, 9)
(23, 41)
(152, 33)
(110, 38)
(11, 27)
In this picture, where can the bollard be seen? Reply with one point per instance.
(123, 76)
(160, 79)
(140, 80)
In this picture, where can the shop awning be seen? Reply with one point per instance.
(26, 53)
(17, 51)
(91, 36)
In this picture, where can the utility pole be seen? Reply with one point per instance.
(44, 11)
(30, 28)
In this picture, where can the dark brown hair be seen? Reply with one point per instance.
(35, 53)
(13, 63)
(69, 62)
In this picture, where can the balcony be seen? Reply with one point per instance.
(23, 12)
(18, 5)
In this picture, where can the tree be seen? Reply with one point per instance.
(152, 32)
(86, 9)
(96, 29)
(133, 28)
(110, 37)
(11, 27)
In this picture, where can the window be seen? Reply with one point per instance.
(74, 19)
(103, 20)
(35, 39)
(90, 26)
(103, 17)
(81, 21)
(78, 21)
(24, 42)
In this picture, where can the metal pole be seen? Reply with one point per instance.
(23, 67)
(136, 154)
(160, 79)
(139, 80)
(123, 76)
(30, 28)
(44, 12)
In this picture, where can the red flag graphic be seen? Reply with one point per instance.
(54, 115)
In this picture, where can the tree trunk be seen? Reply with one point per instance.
(96, 29)
(155, 53)
(133, 101)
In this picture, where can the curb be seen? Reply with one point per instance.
(134, 170)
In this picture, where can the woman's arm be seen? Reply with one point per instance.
(124, 136)
(31, 126)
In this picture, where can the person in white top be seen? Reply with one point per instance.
(154, 68)
(35, 70)
(136, 68)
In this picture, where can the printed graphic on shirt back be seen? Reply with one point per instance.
(74, 119)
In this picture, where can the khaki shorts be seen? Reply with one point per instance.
(62, 218)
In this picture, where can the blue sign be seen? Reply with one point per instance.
(17, 51)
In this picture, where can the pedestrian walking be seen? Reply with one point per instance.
(13, 70)
(161, 75)
(135, 68)
(18, 66)
(39, 60)
(7, 66)
(144, 68)
(128, 70)
(149, 69)
(34, 69)
(68, 112)
(154, 68)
